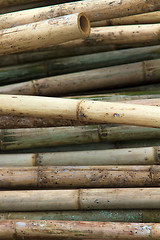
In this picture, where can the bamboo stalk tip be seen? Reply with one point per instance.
(84, 24)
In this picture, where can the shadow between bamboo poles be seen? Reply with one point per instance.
(13, 139)
(44, 33)
(102, 78)
(72, 229)
(129, 156)
(94, 9)
(79, 177)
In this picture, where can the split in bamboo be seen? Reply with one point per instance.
(130, 156)
(45, 33)
(102, 78)
(80, 110)
(80, 199)
(145, 18)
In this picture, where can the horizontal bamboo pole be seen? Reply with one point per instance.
(79, 177)
(129, 156)
(12, 139)
(81, 110)
(145, 18)
(32, 229)
(87, 199)
(94, 9)
(44, 33)
(102, 78)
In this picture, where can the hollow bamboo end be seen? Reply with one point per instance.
(84, 24)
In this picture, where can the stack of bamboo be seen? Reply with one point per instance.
(84, 165)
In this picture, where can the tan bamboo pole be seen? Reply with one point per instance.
(81, 110)
(32, 229)
(145, 18)
(44, 33)
(110, 77)
(129, 156)
(94, 9)
(79, 177)
(101, 198)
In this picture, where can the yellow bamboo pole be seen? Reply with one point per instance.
(44, 33)
(80, 110)
(95, 9)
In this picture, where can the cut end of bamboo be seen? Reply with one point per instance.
(84, 24)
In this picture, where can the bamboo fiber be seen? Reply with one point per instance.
(79, 177)
(81, 110)
(13, 139)
(94, 9)
(145, 18)
(79, 199)
(44, 33)
(130, 156)
(111, 77)
(31, 229)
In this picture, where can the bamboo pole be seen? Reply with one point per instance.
(87, 199)
(12, 139)
(44, 33)
(145, 18)
(80, 110)
(110, 77)
(32, 229)
(79, 177)
(129, 156)
(94, 9)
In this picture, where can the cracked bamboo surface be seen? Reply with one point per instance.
(102, 78)
(94, 9)
(80, 199)
(79, 177)
(145, 18)
(45, 33)
(81, 110)
(12, 139)
(129, 156)
(30, 229)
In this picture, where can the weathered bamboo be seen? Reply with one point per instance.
(94, 9)
(129, 156)
(101, 198)
(145, 18)
(44, 33)
(31, 229)
(12, 139)
(131, 74)
(80, 110)
(79, 177)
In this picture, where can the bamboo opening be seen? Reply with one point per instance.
(84, 24)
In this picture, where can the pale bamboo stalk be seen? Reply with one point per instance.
(94, 9)
(145, 18)
(79, 177)
(110, 77)
(101, 198)
(129, 156)
(77, 230)
(44, 33)
(13, 139)
(81, 110)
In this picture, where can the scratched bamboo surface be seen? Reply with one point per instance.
(102, 78)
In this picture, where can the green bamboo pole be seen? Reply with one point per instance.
(79, 177)
(129, 156)
(77, 80)
(12, 139)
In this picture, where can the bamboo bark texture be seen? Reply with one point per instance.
(96, 10)
(44, 33)
(81, 110)
(79, 177)
(102, 78)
